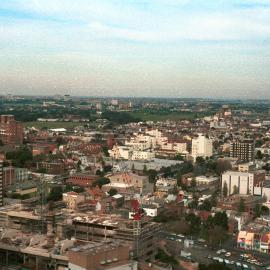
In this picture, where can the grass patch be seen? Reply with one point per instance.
(163, 116)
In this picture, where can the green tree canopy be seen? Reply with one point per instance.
(225, 190)
(112, 191)
(101, 181)
(55, 194)
(241, 206)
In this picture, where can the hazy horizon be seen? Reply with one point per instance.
(143, 48)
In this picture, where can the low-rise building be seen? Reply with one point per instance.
(72, 199)
(82, 179)
(113, 255)
(254, 240)
(242, 182)
(140, 183)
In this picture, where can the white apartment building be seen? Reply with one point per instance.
(142, 142)
(202, 147)
(160, 139)
(242, 182)
(204, 180)
(142, 155)
(127, 153)
(177, 147)
(120, 152)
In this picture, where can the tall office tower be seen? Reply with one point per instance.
(1, 182)
(243, 150)
(11, 131)
(202, 147)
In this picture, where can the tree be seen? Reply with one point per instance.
(60, 140)
(213, 199)
(77, 189)
(105, 150)
(165, 217)
(259, 154)
(181, 169)
(100, 173)
(178, 157)
(144, 168)
(222, 166)
(235, 189)
(206, 205)
(167, 171)
(42, 170)
(221, 219)
(200, 160)
(193, 183)
(101, 181)
(194, 203)
(225, 190)
(194, 222)
(79, 163)
(178, 227)
(216, 236)
(241, 206)
(55, 193)
(264, 210)
(152, 175)
(165, 258)
(20, 156)
(112, 192)
(257, 210)
(199, 169)
(107, 168)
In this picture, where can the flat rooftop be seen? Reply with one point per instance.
(94, 247)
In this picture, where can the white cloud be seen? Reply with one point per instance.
(102, 44)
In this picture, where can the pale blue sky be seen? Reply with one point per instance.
(175, 48)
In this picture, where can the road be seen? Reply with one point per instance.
(201, 253)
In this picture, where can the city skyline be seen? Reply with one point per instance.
(159, 48)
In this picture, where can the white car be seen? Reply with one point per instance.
(228, 254)
(220, 260)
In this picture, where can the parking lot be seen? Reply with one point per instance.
(200, 252)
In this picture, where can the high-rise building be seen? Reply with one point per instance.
(202, 147)
(1, 182)
(11, 131)
(243, 150)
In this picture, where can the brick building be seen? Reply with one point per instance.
(1, 181)
(82, 179)
(53, 167)
(11, 131)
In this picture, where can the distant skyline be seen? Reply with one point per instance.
(159, 48)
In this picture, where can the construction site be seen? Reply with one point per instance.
(41, 238)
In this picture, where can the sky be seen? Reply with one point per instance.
(159, 48)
